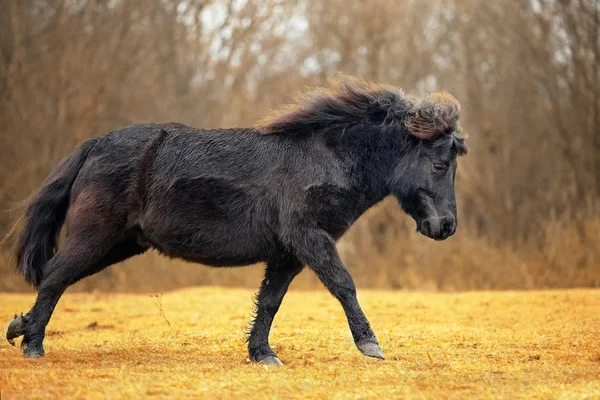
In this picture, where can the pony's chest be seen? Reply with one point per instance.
(333, 208)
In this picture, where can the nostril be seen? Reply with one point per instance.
(447, 227)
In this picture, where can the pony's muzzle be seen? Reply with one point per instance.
(438, 228)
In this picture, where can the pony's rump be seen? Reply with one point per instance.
(37, 241)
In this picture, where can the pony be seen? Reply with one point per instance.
(281, 192)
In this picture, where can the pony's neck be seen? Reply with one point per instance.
(372, 154)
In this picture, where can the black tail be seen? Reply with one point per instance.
(45, 215)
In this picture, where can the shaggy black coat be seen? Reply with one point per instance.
(281, 193)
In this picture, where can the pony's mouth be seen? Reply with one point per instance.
(437, 228)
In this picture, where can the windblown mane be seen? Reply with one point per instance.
(349, 100)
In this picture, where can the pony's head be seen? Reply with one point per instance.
(423, 135)
(423, 180)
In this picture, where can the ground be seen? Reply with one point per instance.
(437, 345)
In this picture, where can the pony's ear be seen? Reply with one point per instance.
(436, 114)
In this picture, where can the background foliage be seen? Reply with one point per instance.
(527, 74)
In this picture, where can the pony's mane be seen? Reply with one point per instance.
(348, 100)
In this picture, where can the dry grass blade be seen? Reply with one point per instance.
(157, 299)
(482, 345)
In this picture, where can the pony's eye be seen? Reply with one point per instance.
(439, 168)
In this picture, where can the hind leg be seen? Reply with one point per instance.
(120, 252)
(60, 272)
(76, 261)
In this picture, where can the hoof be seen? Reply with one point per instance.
(15, 329)
(32, 350)
(271, 360)
(33, 354)
(370, 349)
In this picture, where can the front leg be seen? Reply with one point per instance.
(280, 272)
(317, 249)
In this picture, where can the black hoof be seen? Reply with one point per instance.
(271, 360)
(32, 350)
(15, 329)
(33, 353)
(370, 349)
(264, 355)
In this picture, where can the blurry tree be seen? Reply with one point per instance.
(527, 74)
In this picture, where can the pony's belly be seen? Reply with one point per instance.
(221, 261)
(209, 220)
(214, 246)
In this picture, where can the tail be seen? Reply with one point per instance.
(45, 215)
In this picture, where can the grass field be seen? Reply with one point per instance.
(468, 345)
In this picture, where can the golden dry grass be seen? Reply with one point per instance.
(466, 345)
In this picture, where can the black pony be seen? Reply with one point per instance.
(282, 193)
